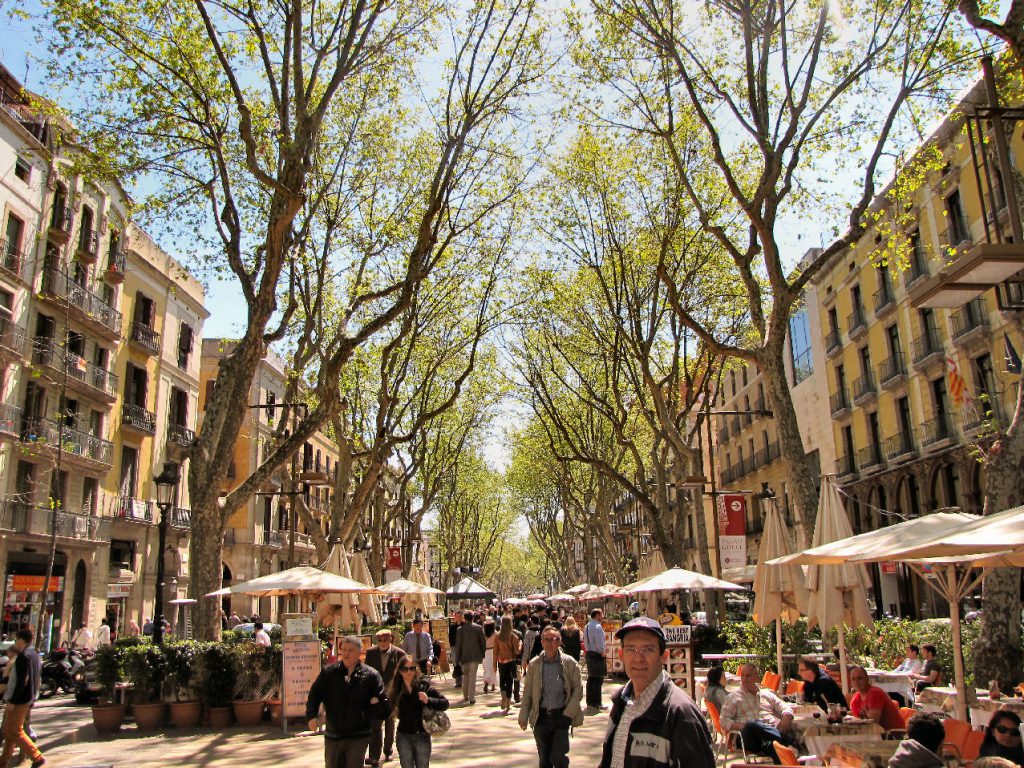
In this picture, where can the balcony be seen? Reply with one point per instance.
(62, 221)
(134, 510)
(970, 324)
(723, 435)
(937, 432)
(900, 446)
(314, 475)
(12, 340)
(727, 476)
(12, 260)
(885, 301)
(82, 304)
(21, 517)
(985, 414)
(856, 325)
(845, 466)
(833, 342)
(918, 269)
(179, 436)
(114, 273)
(864, 388)
(138, 418)
(88, 247)
(927, 350)
(276, 539)
(892, 372)
(181, 518)
(144, 337)
(82, 376)
(839, 403)
(10, 422)
(870, 457)
(77, 447)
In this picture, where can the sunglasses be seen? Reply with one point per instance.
(1004, 729)
(407, 668)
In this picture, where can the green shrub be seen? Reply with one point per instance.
(145, 667)
(258, 676)
(748, 637)
(218, 673)
(182, 660)
(109, 669)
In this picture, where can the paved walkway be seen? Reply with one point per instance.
(481, 735)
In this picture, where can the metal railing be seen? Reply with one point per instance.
(139, 418)
(870, 456)
(855, 321)
(900, 444)
(116, 262)
(62, 220)
(891, 368)
(833, 341)
(21, 517)
(12, 336)
(969, 317)
(926, 345)
(864, 386)
(181, 517)
(57, 283)
(918, 266)
(89, 243)
(137, 510)
(47, 352)
(838, 402)
(10, 419)
(146, 337)
(937, 429)
(73, 442)
(11, 258)
(180, 435)
(845, 465)
(884, 299)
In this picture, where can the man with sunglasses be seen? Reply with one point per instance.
(653, 723)
(552, 693)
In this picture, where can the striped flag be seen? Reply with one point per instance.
(957, 385)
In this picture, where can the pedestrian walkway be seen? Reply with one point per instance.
(481, 735)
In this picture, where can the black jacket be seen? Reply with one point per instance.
(572, 643)
(410, 708)
(385, 663)
(346, 698)
(672, 732)
(27, 670)
(822, 691)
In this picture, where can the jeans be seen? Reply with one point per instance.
(345, 753)
(387, 744)
(414, 750)
(15, 736)
(552, 736)
(506, 677)
(469, 669)
(758, 737)
(597, 668)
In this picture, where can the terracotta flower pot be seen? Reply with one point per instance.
(185, 714)
(148, 717)
(276, 708)
(108, 717)
(248, 713)
(220, 717)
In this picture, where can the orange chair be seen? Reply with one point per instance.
(972, 746)
(725, 741)
(957, 732)
(794, 686)
(907, 713)
(788, 756)
(771, 680)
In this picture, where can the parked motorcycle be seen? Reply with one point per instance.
(59, 669)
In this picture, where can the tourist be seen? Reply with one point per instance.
(384, 658)
(353, 697)
(572, 640)
(552, 692)
(490, 668)
(597, 665)
(922, 746)
(872, 703)
(260, 635)
(234, 620)
(913, 663)
(759, 716)
(453, 630)
(410, 693)
(82, 637)
(507, 651)
(819, 687)
(417, 644)
(1002, 737)
(470, 647)
(714, 690)
(653, 722)
(147, 627)
(21, 693)
(931, 672)
(133, 628)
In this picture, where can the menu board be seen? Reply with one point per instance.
(611, 646)
(301, 665)
(680, 656)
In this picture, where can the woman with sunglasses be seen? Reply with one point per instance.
(409, 694)
(1002, 738)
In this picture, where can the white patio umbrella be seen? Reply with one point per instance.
(679, 580)
(368, 603)
(304, 581)
(780, 591)
(837, 593)
(603, 593)
(341, 609)
(561, 597)
(651, 565)
(414, 594)
(579, 589)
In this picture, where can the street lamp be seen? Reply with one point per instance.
(166, 489)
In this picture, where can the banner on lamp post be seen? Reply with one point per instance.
(732, 530)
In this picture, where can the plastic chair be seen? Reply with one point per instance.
(972, 746)
(794, 686)
(789, 757)
(771, 680)
(957, 732)
(725, 741)
(907, 713)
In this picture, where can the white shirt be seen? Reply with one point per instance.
(262, 638)
(82, 638)
(102, 636)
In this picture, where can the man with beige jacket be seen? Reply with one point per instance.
(552, 693)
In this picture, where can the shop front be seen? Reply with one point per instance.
(117, 606)
(25, 598)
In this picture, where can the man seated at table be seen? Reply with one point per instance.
(871, 702)
(758, 715)
(931, 673)
(819, 687)
(913, 664)
(920, 749)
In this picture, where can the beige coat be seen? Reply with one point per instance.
(533, 689)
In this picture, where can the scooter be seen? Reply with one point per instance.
(59, 670)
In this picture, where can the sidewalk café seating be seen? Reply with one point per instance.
(794, 687)
(957, 732)
(788, 756)
(771, 680)
(725, 741)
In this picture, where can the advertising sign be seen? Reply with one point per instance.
(394, 561)
(33, 583)
(301, 662)
(677, 635)
(732, 529)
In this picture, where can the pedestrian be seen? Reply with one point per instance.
(652, 721)
(82, 637)
(470, 647)
(384, 658)
(133, 628)
(572, 641)
(490, 668)
(147, 627)
(260, 635)
(453, 630)
(418, 645)
(234, 620)
(103, 633)
(353, 697)
(21, 692)
(552, 692)
(508, 649)
(410, 694)
(597, 664)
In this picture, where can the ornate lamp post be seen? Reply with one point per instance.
(166, 490)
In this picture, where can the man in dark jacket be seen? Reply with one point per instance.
(353, 696)
(819, 687)
(454, 623)
(653, 724)
(22, 691)
(470, 647)
(384, 658)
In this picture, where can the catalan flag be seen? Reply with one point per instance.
(957, 385)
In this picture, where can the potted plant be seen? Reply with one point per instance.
(253, 687)
(181, 679)
(106, 715)
(273, 671)
(145, 667)
(218, 674)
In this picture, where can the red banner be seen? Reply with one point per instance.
(33, 583)
(394, 559)
(732, 515)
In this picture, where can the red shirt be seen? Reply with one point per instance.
(877, 699)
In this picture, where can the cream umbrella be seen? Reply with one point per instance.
(837, 594)
(579, 589)
(304, 581)
(780, 591)
(414, 594)
(602, 593)
(652, 564)
(679, 580)
(368, 604)
(339, 610)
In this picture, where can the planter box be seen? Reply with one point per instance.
(185, 714)
(108, 718)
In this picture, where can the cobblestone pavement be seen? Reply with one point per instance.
(481, 735)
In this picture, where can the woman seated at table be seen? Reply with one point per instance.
(913, 664)
(871, 702)
(715, 691)
(819, 687)
(1002, 738)
(931, 673)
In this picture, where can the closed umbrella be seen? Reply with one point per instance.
(339, 610)
(368, 604)
(652, 564)
(780, 591)
(837, 594)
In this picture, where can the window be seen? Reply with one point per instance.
(129, 484)
(210, 385)
(60, 202)
(59, 488)
(6, 305)
(178, 415)
(893, 335)
(145, 310)
(23, 169)
(15, 232)
(86, 243)
(90, 493)
(136, 382)
(958, 231)
(984, 376)
(25, 482)
(186, 340)
(800, 346)
(122, 553)
(272, 410)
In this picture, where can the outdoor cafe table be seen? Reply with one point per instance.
(861, 754)
(893, 682)
(937, 697)
(817, 735)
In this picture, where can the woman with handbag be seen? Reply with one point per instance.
(419, 707)
(508, 649)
